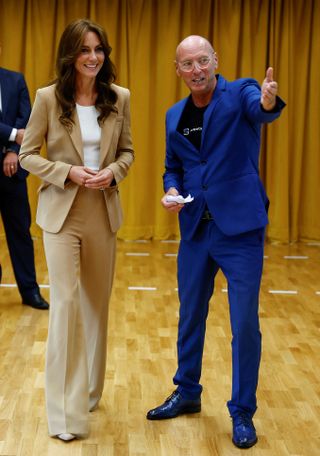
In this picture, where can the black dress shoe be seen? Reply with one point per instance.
(173, 406)
(36, 301)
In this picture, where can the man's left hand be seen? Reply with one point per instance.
(269, 90)
(10, 164)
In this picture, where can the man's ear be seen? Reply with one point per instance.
(177, 68)
(215, 60)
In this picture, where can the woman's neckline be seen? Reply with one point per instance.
(85, 106)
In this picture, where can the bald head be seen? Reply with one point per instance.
(192, 43)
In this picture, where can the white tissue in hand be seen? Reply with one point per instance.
(179, 199)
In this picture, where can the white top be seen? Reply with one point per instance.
(91, 135)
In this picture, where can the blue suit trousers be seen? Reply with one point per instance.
(240, 258)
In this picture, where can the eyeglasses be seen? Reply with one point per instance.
(189, 65)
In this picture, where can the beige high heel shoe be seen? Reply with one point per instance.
(66, 437)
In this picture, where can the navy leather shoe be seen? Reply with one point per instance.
(244, 433)
(36, 301)
(173, 406)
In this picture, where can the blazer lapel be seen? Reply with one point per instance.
(178, 110)
(106, 135)
(4, 91)
(75, 135)
(218, 92)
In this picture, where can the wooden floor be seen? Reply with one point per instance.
(142, 361)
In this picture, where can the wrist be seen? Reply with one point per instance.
(267, 107)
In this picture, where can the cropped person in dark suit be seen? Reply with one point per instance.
(213, 141)
(14, 205)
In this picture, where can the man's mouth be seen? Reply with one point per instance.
(198, 80)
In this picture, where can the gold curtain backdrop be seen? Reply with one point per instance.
(248, 35)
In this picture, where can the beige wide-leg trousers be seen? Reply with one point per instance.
(80, 259)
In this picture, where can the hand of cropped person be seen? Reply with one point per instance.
(10, 164)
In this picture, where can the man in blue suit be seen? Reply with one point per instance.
(14, 205)
(212, 153)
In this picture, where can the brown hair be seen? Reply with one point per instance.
(69, 48)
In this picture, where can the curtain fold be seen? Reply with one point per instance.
(248, 35)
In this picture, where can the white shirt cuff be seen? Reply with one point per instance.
(13, 135)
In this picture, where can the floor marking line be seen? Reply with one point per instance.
(142, 254)
(143, 288)
(170, 241)
(296, 257)
(293, 292)
(14, 285)
(138, 241)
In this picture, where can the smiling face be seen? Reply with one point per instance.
(196, 63)
(91, 57)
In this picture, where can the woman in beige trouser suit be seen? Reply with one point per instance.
(78, 219)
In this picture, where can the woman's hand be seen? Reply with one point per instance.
(80, 174)
(101, 180)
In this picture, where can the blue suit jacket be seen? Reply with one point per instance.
(16, 110)
(224, 174)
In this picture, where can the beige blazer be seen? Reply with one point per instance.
(64, 149)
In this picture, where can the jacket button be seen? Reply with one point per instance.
(203, 162)
(205, 187)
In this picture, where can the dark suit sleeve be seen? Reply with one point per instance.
(5, 132)
(24, 104)
(20, 118)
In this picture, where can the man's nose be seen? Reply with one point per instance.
(196, 68)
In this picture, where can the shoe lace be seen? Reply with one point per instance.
(243, 420)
